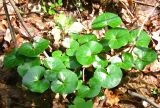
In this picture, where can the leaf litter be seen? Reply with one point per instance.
(38, 24)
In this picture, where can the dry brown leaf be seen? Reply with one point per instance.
(111, 98)
(7, 36)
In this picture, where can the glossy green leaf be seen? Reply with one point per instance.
(39, 86)
(104, 43)
(29, 50)
(86, 38)
(117, 37)
(144, 57)
(54, 63)
(57, 53)
(51, 75)
(94, 46)
(23, 68)
(128, 61)
(72, 63)
(12, 60)
(32, 79)
(99, 62)
(81, 103)
(106, 19)
(84, 55)
(66, 82)
(90, 91)
(143, 39)
(70, 43)
(110, 78)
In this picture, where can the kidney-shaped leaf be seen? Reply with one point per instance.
(29, 50)
(94, 46)
(66, 82)
(23, 68)
(144, 57)
(84, 55)
(106, 19)
(145, 54)
(143, 38)
(11, 60)
(86, 38)
(110, 78)
(32, 79)
(128, 61)
(54, 63)
(117, 37)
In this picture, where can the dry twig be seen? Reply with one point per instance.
(143, 98)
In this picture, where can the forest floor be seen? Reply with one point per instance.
(133, 13)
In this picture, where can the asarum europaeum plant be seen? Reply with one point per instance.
(62, 72)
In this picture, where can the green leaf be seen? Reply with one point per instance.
(54, 63)
(12, 60)
(66, 82)
(91, 91)
(117, 37)
(39, 86)
(70, 43)
(86, 38)
(84, 55)
(99, 62)
(104, 43)
(72, 63)
(23, 68)
(32, 79)
(51, 75)
(57, 54)
(94, 46)
(128, 61)
(106, 19)
(143, 39)
(139, 64)
(29, 50)
(80, 103)
(144, 56)
(110, 78)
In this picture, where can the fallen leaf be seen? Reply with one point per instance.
(7, 36)
(156, 36)
(111, 98)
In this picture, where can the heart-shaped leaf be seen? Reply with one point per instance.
(110, 78)
(94, 46)
(143, 39)
(23, 68)
(54, 63)
(72, 63)
(51, 75)
(81, 103)
(57, 53)
(104, 43)
(12, 60)
(70, 43)
(117, 37)
(144, 56)
(99, 62)
(32, 79)
(84, 55)
(91, 91)
(38, 47)
(86, 38)
(66, 82)
(106, 19)
(127, 61)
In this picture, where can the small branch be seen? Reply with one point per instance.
(20, 17)
(9, 23)
(143, 98)
(142, 3)
(83, 74)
